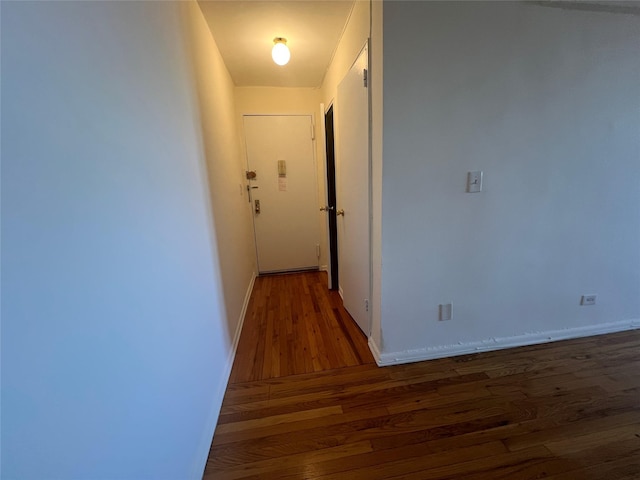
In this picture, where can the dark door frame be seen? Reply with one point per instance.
(331, 196)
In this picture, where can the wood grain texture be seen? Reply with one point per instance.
(306, 401)
(295, 325)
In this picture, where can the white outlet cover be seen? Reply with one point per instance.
(588, 299)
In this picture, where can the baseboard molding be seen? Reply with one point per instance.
(203, 451)
(324, 268)
(430, 353)
(375, 351)
(236, 336)
(340, 292)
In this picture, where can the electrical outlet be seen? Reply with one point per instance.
(588, 300)
(445, 311)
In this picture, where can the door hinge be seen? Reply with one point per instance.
(365, 77)
(366, 305)
(318, 250)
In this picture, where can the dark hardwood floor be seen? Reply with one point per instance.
(307, 401)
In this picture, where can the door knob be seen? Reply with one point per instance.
(340, 212)
(325, 209)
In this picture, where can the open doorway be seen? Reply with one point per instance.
(331, 199)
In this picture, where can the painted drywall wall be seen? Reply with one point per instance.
(376, 69)
(287, 101)
(546, 102)
(233, 227)
(277, 100)
(228, 198)
(116, 336)
(353, 39)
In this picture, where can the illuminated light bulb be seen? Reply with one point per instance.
(280, 52)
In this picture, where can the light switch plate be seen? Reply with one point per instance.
(474, 182)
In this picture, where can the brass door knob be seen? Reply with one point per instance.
(340, 212)
(325, 209)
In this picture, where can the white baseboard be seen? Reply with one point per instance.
(203, 451)
(340, 292)
(373, 346)
(324, 268)
(430, 353)
(236, 336)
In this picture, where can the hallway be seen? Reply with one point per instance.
(306, 401)
(295, 325)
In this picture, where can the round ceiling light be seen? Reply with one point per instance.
(280, 52)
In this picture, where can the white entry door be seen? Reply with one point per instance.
(352, 157)
(283, 193)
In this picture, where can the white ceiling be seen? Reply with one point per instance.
(244, 32)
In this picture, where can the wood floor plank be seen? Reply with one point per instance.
(594, 439)
(306, 400)
(379, 465)
(580, 405)
(312, 428)
(457, 435)
(499, 466)
(294, 325)
(416, 461)
(565, 431)
(271, 420)
(621, 469)
(268, 408)
(615, 460)
(267, 467)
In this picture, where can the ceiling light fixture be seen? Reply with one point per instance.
(280, 52)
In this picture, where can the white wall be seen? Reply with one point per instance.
(287, 101)
(116, 331)
(276, 101)
(546, 102)
(228, 199)
(376, 91)
(225, 165)
(351, 43)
